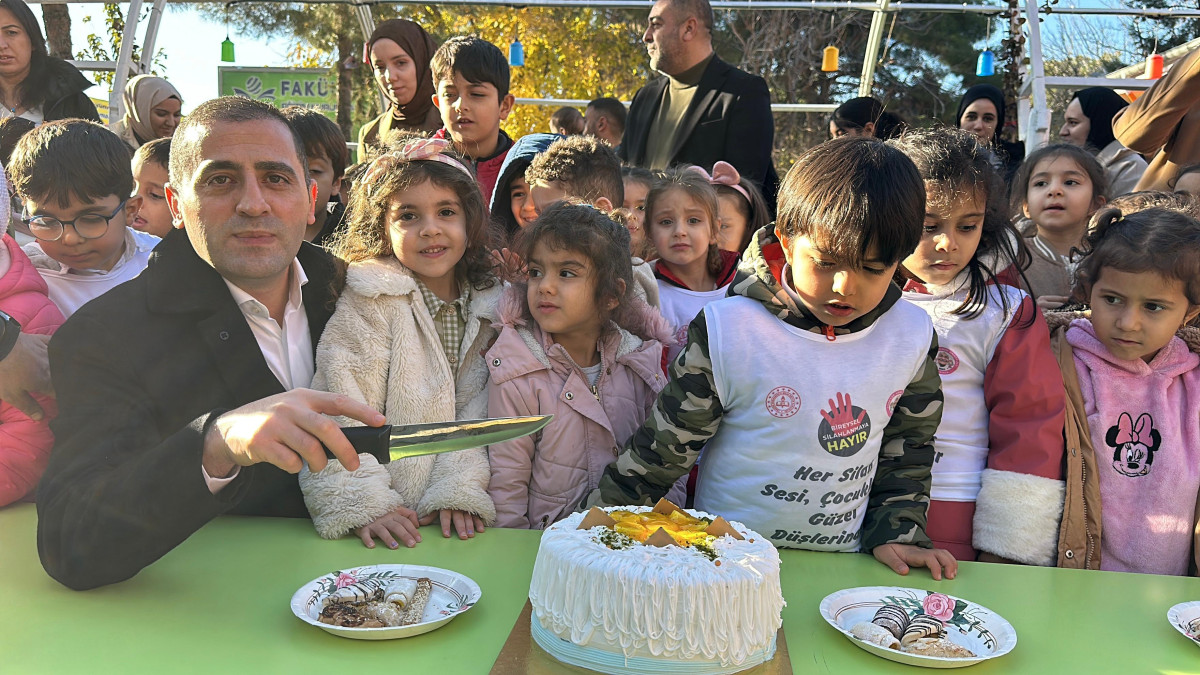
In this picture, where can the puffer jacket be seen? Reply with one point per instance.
(1081, 528)
(381, 347)
(537, 480)
(24, 443)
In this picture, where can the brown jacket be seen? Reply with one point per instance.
(1080, 531)
(1165, 120)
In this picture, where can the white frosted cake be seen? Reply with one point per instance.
(701, 604)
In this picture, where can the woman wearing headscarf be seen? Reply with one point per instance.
(865, 116)
(1088, 124)
(399, 52)
(33, 84)
(152, 110)
(981, 112)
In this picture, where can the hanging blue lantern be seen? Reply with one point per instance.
(986, 67)
(516, 54)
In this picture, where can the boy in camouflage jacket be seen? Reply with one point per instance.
(837, 331)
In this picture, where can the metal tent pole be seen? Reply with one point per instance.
(116, 104)
(1039, 115)
(150, 43)
(367, 20)
(873, 39)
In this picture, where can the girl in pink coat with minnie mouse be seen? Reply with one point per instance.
(1134, 392)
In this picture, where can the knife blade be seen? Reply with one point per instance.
(392, 442)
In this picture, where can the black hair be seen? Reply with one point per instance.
(958, 166)
(157, 151)
(71, 158)
(851, 194)
(638, 175)
(602, 240)
(1083, 158)
(11, 131)
(856, 113)
(476, 59)
(569, 119)
(889, 126)
(1099, 105)
(585, 165)
(322, 137)
(213, 113)
(1158, 240)
(701, 9)
(613, 109)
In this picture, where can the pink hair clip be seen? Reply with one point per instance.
(724, 173)
(429, 149)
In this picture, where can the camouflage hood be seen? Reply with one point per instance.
(759, 277)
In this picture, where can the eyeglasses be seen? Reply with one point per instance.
(87, 226)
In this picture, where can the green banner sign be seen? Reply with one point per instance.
(309, 87)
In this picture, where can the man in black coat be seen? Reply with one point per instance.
(173, 409)
(702, 110)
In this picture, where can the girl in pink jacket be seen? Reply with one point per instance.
(1140, 385)
(24, 443)
(591, 356)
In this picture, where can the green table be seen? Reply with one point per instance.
(219, 603)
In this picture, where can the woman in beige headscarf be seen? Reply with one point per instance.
(152, 110)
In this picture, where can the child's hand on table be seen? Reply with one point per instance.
(465, 524)
(399, 524)
(900, 557)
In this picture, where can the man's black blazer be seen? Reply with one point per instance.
(729, 119)
(139, 372)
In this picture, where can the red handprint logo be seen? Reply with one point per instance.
(845, 427)
(841, 416)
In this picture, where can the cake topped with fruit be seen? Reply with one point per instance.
(636, 588)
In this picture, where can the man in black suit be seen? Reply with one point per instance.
(181, 393)
(702, 110)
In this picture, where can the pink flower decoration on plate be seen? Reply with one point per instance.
(938, 606)
(345, 580)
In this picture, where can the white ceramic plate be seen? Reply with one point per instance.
(1182, 615)
(967, 624)
(452, 595)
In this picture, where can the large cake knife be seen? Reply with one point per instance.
(392, 442)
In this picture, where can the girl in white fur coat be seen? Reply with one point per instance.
(407, 339)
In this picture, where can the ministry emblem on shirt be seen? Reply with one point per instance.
(783, 402)
(946, 360)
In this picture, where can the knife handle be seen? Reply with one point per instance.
(369, 440)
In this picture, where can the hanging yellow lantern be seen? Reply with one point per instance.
(829, 59)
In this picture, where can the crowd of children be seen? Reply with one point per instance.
(909, 358)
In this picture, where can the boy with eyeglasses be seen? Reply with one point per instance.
(73, 180)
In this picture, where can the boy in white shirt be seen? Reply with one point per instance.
(74, 180)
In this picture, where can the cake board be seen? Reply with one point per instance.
(522, 656)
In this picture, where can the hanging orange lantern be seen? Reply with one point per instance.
(1154, 66)
(829, 59)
